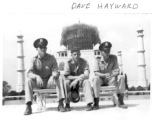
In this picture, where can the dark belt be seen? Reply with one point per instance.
(45, 78)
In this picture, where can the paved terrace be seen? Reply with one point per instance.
(138, 109)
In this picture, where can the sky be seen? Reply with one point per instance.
(119, 29)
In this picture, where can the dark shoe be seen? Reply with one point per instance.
(61, 108)
(122, 106)
(121, 103)
(89, 107)
(114, 105)
(95, 107)
(96, 104)
(67, 107)
(28, 110)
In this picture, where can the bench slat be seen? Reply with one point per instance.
(45, 90)
(54, 90)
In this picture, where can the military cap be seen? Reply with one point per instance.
(105, 45)
(73, 95)
(75, 49)
(41, 42)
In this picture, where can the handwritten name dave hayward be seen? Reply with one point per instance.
(104, 6)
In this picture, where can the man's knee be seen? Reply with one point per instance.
(96, 79)
(59, 80)
(121, 78)
(67, 82)
(29, 80)
(86, 82)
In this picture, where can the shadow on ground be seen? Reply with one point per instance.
(47, 110)
(83, 108)
(132, 105)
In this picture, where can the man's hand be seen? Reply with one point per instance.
(115, 73)
(39, 81)
(51, 83)
(56, 75)
(74, 83)
(107, 75)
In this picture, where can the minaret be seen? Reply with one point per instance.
(120, 60)
(20, 66)
(142, 81)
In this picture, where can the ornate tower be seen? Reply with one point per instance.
(62, 56)
(20, 66)
(97, 52)
(142, 81)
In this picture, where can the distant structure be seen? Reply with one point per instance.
(142, 81)
(20, 66)
(120, 60)
(80, 35)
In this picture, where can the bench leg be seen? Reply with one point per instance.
(81, 95)
(3, 101)
(41, 101)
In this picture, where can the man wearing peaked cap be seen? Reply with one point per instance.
(105, 45)
(107, 73)
(41, 42)
(77, 72)
(43, 74)
(75, 49)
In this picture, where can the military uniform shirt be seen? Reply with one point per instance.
(42, 67)
(106, 67)
(75, 70)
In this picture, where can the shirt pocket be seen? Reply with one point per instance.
(48, 70)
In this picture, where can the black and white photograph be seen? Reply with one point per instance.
(76, 60)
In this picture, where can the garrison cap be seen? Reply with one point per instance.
(73, 95)
(105, 45)
(41, 42)
(75, 49)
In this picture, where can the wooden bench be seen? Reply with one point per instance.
(42, 93)
(106, 92)
(41, 97)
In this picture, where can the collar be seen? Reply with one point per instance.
(79, 62)
(104, 62)
(102, 59)
(45, 57)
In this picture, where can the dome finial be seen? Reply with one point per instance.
(79, 20)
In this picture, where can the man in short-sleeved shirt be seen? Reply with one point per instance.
(43, 73)
(77, 72)
(106, 67)
(107, 73)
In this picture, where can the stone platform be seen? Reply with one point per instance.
(137, 110)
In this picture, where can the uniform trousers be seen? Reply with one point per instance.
(32, 83)
(118, 81)
(85, 84)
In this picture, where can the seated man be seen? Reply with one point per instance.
(43, 73)
(77, 72)
(107, 73)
